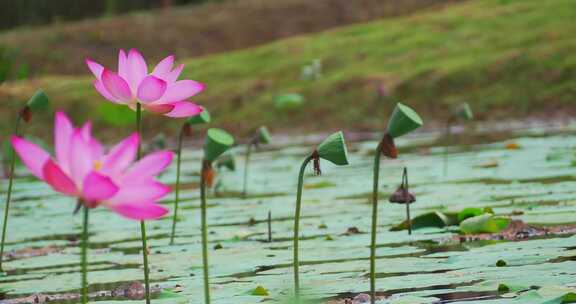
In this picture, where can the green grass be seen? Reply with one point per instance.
(192, 30)
(506, 58)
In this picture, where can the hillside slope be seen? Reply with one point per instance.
(193, 30)
(507, 58)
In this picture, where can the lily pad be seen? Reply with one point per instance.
(432, 219)
(485, 223)
(469, 212)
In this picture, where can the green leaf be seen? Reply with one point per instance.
(169, 294)
(431, 219)
(115, 114)
(503, 288)
(485, 223)
(468, 213)
(260, 291)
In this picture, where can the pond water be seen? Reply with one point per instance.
(534, 182)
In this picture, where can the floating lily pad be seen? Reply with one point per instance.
(485, 223)
(469, 212)
(431, 219)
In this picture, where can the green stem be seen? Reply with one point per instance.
(145, 260)
(445, 156)
(374, 224)
(83, 257)
(9, 192)
(269, 226)
(139, 128)
(205, 167)
(246, 162)
(142, 223)
(177, 189)
(408, 218)
(296, 262)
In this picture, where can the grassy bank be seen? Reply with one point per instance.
(506, 58)
(193, 30)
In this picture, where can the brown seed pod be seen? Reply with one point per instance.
(402, 195)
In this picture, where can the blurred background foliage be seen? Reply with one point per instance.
(14, 13)
(347, 62)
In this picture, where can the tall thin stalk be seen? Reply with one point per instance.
(408, 219)
(142, 223)
(269, 226)
(83, 260)
(405, 183)
(297, 226)
(445, 156)
(374, 224)
(9, 192)
(177, 189)
(205, 167)
(246, 163)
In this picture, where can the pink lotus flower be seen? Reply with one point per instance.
(81, 169)
(158, 92)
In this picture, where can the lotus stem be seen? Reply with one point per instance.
(405, 183)
(408, 219)
(205, 167)
(9, 192)
(139, 128)
(142, 223)
(83, 260)
(445, 156)
(269, 226)
(246, 163)
(374, 224)
(296, 262)
(177, 188)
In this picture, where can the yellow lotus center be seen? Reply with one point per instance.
(97, 165)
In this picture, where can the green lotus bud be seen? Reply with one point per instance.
(202, 118)
(464, 112)
(217, 142)
(403, 120)
(38, 102)
(333, 149)
(263, 135)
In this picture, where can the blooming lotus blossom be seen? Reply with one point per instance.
(158, 91)
(81, 169)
